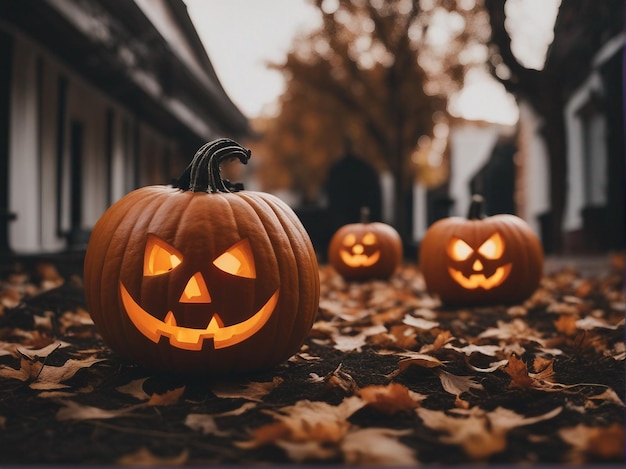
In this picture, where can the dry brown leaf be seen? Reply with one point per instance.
(377, 447)
(404, 337)
(566, 324)
(349, 343)
(443, 338)
(306, 421)
(488, 350)
(418, 359)
(419, 323)
(390, 399)
(338, 379)
(28, 370)
(204, 423)
(74, 411)
(167, 398)
(605, 442)
(302, 451)
(456, 385)
(144, 457)
(481, 434)
(251, 391)
(518, 371)
(135, 389)
(544, 369)
(51, 377)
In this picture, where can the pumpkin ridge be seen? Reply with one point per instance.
(302, 250)
(279, 331)
(111, 234)
(156, 206)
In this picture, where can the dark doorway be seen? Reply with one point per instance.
(495, 181)
(6, 60)
(352, 184)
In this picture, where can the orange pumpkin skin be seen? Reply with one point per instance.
(364, 251)
(499, 259)
(195, 229)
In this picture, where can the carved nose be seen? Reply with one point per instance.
(477, 266)
(196, 290)
(357, 249)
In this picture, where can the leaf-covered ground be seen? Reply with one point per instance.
(387, 377)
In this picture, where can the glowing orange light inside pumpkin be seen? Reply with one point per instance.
(161, 258)
(355, 255)
(492, 249)
(196, 290)
(459, 250)
(237, 260)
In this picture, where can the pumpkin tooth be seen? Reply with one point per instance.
(170, 320)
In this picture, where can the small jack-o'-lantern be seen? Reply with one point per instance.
(361, 251)
(481, 259)
(201, 277)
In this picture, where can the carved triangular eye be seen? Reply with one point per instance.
(237, 260)
(369, 239)
(459, 250)
(493, 248)
(159, 257)
(349, 240)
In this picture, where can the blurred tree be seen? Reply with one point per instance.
(374, 78)
(581, 27)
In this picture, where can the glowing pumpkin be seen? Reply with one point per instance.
(201, 278)
(362, 251)
(481, 260)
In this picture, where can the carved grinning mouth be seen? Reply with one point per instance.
(480, 280)
(359, 260)
(190, 338)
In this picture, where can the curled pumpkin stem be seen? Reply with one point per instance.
(203, 173)
(477, 208)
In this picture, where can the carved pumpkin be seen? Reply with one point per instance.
(362, 251)
(481, 260)
(199, 277)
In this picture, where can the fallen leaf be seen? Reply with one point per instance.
(417, 359)
(204, 423)
(28, 370)
(252, 391)
(144, 457)
(302, 451)
(54, 375)
(338, 379)
(456, 385)
(518, 371)
(167, 398)
(605, 442)
(74, 411)
(135, 389)
(306, 421)
(419, 323)
(390, 399)
(590, 323)
(377, 447)
(480, 433)
(488, 350)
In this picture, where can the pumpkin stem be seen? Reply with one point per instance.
(477, 208)
(365, 214)
(203, 173)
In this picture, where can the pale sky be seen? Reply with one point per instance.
(240, 36)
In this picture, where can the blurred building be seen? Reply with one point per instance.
(97, 97)
(514, 175)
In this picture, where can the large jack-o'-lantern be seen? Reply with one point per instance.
(201, 277)
(480, 259)
(362, 251)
